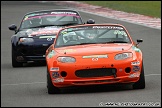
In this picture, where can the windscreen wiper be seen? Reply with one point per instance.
(67, 24)
(43, 26)
(115, 42)
(86, 43)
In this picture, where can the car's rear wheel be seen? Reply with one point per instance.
(51, 88)
(14, 62)
(140, 84)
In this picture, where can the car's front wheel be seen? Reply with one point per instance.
(51, 88)
(140, 84)
(14, 62)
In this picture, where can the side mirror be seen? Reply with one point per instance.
(91, 21)
(139, 41)
(13, 27)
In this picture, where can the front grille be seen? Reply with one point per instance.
(98, 72)
(35, 58)
(40, 50)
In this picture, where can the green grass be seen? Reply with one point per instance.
(148, 8)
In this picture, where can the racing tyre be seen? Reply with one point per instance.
(14, 62)
(140, 84)
(51, 88)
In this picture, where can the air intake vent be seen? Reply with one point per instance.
(98, 72)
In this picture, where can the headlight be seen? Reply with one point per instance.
(123, 56)
(26, 40)
(66, 59)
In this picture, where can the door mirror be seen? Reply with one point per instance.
(139, 41)
(13, 27)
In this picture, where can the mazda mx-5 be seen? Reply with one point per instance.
(94, 54)
(37, 32)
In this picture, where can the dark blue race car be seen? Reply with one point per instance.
(37, 32)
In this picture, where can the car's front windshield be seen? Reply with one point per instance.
(44, 19)
(97, 34)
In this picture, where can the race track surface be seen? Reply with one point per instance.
(26, 86)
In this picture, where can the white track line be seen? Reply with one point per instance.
(153, 75)
(45, 82)
(22, 83)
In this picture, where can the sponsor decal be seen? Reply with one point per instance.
(57, 80)
(135, 63)
(44, 44)
(65, 14)
(136, 49)
(120, 32)
(107, 27)
(44, 32)
(134, 75)
(54, 69)
(69, 50)
(96, 56)
(118, 49)
(51, 54)
(71, 13)
(26, 17)
(36, 14)
(47, 37)
(55, 74)
(135, 68)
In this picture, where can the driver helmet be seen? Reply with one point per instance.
(70, 36)
(90, 21)
(36, 21)
(91, 33)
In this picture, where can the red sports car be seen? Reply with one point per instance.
(94, 54)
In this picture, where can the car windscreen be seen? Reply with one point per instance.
(92, 35)
(50, 19)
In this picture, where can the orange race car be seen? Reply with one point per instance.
(94, 54)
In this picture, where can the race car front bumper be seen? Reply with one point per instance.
(124, 72)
